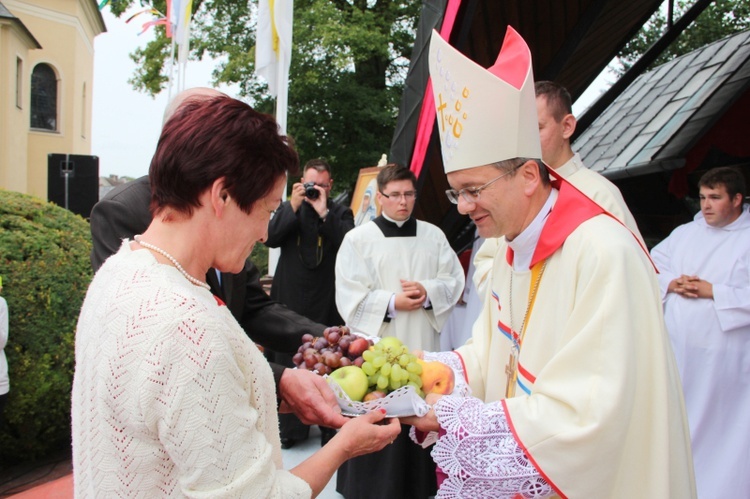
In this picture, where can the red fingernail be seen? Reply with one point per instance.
(382, 410)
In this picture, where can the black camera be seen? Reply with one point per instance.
(310, 191)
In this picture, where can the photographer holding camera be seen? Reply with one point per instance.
(308, 228)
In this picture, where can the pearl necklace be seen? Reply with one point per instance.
(174, 262)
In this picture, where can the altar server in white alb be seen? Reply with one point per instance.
(398, 276)
(575, 390)
(704, 275)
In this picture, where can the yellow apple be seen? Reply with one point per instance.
(390, 342)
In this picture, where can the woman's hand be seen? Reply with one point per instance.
(368, 433)
(361, 435)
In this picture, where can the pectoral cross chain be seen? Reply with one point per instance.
(511, 369)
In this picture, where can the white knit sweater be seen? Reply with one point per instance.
(170, 397)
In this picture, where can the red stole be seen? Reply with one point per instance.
(571, 209)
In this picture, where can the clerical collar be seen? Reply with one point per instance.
(392, 228)
(400, 223)
(570, 167)
(524, 244)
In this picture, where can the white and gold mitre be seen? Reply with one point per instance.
(484, 115)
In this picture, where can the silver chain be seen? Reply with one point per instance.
(174, 261)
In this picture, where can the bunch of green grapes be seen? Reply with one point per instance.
(389, 366)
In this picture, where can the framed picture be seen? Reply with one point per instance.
(365, 205)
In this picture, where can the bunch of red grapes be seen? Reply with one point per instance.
(336, 348)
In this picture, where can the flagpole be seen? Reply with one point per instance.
(282, 99)
(273, 48)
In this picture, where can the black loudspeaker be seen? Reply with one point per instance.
(73, 182)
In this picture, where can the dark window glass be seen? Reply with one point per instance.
(44, 98)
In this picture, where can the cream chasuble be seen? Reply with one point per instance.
(598, 406)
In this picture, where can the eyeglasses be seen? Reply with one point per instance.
(472, 194)
(408, 195)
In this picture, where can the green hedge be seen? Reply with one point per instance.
(44, 262)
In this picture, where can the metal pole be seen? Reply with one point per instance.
(66, 175)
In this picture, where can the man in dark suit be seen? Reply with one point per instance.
(124, 212)
(308, 228)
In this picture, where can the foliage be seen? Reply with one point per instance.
(720, 19)
(349, 62)
(259, 257)
(44, 261)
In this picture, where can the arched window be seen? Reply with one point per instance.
(44, 97)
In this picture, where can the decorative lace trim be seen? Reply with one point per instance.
(480, 455)
(429, 438)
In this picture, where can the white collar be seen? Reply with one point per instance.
(570, 167)
(524, 244)
(399, 224)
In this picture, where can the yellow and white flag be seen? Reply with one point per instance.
(273, 44)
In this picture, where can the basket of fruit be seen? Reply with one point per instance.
(373, 373)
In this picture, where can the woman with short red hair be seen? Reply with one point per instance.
(170, 396)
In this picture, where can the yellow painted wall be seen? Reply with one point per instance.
(66, 31)
(14, 121)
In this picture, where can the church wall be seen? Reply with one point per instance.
(14, 118)
(66, 31)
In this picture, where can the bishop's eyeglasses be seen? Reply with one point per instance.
(472, 194)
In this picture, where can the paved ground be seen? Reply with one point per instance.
(17, 479)
(52, 478)
(303, 450)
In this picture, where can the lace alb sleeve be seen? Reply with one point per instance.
(479, 454)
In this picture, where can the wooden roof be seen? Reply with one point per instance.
(656, 122)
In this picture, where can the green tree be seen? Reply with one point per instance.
(349, 63)
(720, 19)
